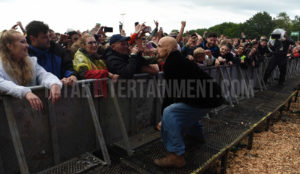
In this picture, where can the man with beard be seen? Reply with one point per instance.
(51, 56)
(211, 44)
(182, 111)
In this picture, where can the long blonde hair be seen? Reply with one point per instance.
(21, 71)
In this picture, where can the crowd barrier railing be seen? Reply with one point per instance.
(95, 114)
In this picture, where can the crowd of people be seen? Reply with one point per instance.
(41, 56)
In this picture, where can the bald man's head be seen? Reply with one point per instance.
(166, 45)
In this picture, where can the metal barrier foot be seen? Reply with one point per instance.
(250, 141)
(224, 163)
(280, 113)
(296, 96)
(268, 124)
(289, 104)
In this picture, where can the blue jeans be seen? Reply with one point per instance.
(179, 119)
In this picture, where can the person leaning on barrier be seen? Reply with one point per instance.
(51, 56)
(262, 49)
(279, 46)
(244, 53)
(211, 44)
(224, 56)
(120, 61)
(201, 58)
(253, 54)
(182, 111)
(18, 70)
(241, 55)
(296, 51)
(87, 63)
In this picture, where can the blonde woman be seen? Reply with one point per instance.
(18, 71)
(87, 63)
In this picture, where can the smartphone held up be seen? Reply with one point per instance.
(108, 29)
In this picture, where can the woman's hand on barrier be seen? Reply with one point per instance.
(55, 93)
(34, 101)
(230, 63)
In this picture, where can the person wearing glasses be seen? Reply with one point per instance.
(87, 62)
(51, 56)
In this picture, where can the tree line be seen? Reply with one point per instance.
(259, 24)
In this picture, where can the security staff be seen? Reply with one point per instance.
(279, 46)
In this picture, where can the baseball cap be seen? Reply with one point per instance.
(118, 38)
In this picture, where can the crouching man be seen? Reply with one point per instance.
(183, 110)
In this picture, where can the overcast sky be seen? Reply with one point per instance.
(84, 14)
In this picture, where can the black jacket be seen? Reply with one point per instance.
(281, 48)
(177, 71)
(124, 65)
(262, 51)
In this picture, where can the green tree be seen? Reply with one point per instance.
(283, 21)
(229, 29)
(176, 31)
(260, 24)
(295, 24)
(199, 31)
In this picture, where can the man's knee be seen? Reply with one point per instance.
(168, 115)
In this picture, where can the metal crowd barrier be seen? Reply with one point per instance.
(86, 119)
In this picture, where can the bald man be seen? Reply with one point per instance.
(166, 45)
(182, 106)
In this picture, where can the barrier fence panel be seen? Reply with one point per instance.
(235, 82)
(34, 134)
(55, 134)
(218, 75)
(125, 112)
(142, 96)
(232, 89)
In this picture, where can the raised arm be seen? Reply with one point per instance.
(179, 36)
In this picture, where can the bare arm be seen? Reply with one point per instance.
(179, 36)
